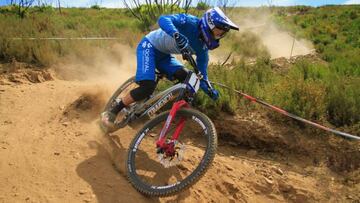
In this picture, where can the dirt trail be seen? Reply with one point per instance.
(51, 150)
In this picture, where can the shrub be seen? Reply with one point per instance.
(97, 7)
(202, 6)
(344, 102)
(302, 91)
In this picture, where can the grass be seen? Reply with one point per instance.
(72, 22)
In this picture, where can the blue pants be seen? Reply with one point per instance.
(149, 58)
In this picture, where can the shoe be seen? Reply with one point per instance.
(107, 121)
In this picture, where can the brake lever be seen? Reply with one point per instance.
(186, 55)
(209, 84)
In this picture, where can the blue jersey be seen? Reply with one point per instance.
(188, 25)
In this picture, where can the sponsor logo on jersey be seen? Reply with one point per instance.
(146, 66)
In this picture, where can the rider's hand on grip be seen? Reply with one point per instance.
(209, 90)
(214, 94)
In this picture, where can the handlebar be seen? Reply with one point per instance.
(188, 57)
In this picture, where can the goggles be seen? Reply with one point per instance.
(219, 33)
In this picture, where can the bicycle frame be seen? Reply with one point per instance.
(155, 103)
(178, 91)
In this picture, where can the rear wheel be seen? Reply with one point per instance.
(156, 173)
(121, 119)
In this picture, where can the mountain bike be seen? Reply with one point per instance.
(174, 148)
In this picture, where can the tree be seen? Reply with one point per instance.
(271, 5)
(59, 6)
(23, 6)
(149, 11)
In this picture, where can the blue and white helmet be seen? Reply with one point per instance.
(214, 18)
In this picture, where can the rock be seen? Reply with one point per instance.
(65, 124)
(234, 144)
(278, 171)
(57, 153)
(232, 157)
(182, 167)
(251, 153)
(228, 167)
(82, 192)
(7, 122)
(28, 198)
(269, 181)
(283, 187)
(76, 155)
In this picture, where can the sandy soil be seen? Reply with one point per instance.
(52, 150)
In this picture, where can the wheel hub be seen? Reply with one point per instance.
(171, 153)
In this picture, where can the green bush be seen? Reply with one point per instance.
(335, 33)
(202, 6)
(11, 9)
(302, 91)
(97, 7)
(151, 13)
(344, 102)
(249, 79)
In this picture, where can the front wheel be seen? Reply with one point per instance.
(156, 173)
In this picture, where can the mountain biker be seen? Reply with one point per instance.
(178, 34)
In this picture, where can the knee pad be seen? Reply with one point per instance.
(145, 89)
(181, 74)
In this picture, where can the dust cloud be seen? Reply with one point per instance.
(278, 42)
(110, 65)
(99, 70)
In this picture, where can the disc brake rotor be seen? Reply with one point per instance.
(168, 161)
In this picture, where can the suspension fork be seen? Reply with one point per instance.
(162, 138)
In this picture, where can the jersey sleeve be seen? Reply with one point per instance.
(170, 23)
(202, 61)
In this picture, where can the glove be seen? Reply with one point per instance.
(211, 92)
(214, 94)
(181, 42)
